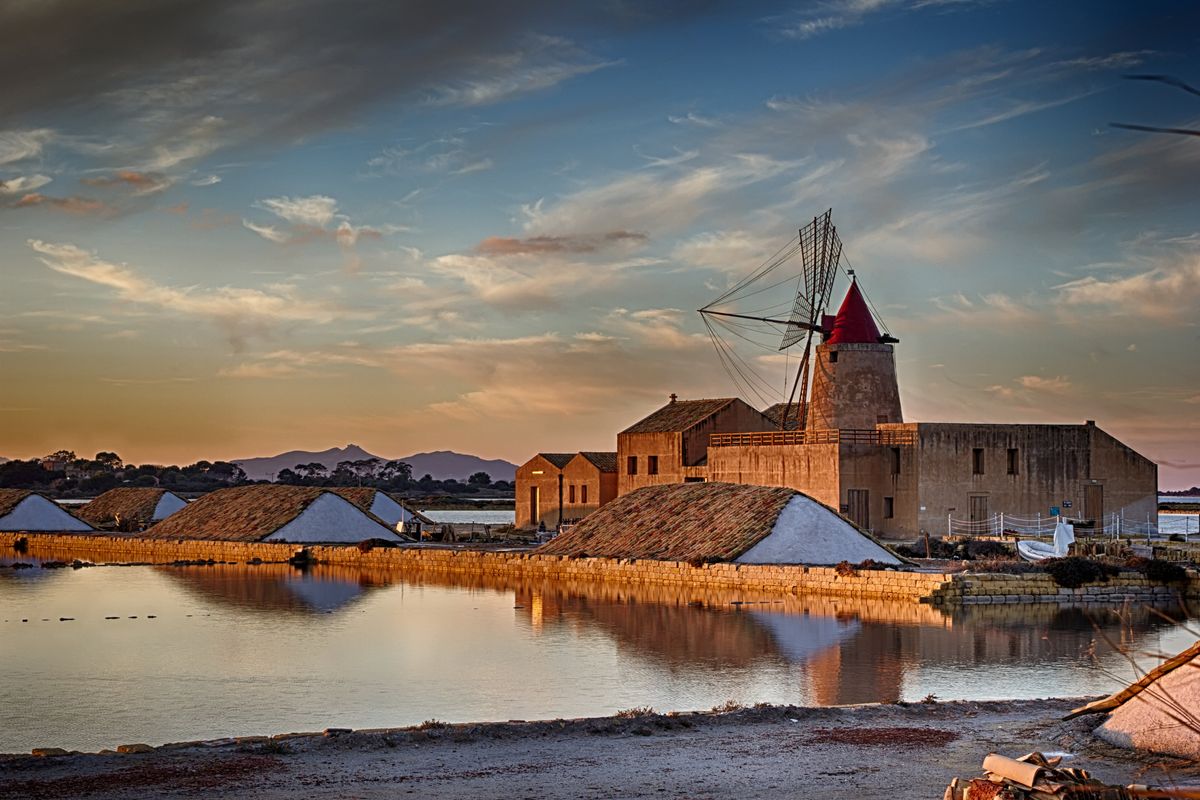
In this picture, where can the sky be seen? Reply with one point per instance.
(230, 228)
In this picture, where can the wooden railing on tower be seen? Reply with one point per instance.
(830, 436)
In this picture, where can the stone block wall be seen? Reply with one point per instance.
(997, 589)
(928, 587)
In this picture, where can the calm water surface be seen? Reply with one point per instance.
(241, 650)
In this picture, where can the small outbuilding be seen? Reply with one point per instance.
(703, 522)
(541, 491)
(386, 507)
(23, 510)
(131, 508)
(274, 513)
(1158, 713)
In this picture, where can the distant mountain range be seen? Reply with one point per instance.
(441, 464)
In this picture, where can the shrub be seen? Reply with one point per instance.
(845, 569)
(634, 713)
(1072, 572)
(1161, 571)
(989, 549)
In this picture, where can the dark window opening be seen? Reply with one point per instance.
(631, 465)
(977, 461)
(571, 494)
(651, 465)
(895, 460)
(889, 507)
(583, 494)
(693, 480)
(833, 357)
(1013, 462)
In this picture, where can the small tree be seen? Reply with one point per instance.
(110, 461)
(480, 479)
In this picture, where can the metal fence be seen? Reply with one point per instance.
(1114, 525)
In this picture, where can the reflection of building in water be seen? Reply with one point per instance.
(847, 651)
(275, 587)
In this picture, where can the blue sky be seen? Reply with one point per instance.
(228, 229)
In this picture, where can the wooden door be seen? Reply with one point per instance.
(1093, 503)
(979, 508)
(859, 501)
(535, 514)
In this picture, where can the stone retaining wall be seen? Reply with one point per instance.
(882, 584)
(927, 587)
(1041, 588)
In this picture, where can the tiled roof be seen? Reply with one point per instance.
(240, 514)
(10, 498)
(795, 414)
(605, 462)
(559, 460)
(679, 415)
(677, 522)
(134, 504)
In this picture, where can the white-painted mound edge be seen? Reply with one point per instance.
(389, 510)
(806, 532)
(36, 513)
(168, 504)
(331, 519)
(1150, 719)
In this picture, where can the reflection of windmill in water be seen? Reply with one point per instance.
(780, 307)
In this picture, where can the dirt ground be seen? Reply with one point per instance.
(880, 751)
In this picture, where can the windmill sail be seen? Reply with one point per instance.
(820, 257)
(784, 300)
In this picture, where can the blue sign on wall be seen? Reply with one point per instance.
(1055, 511)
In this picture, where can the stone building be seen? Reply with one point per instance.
(559, 487)
(671, 445)
(856, 453)
(540, 496)
(899, 478)
(591, 481)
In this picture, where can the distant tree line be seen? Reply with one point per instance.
(63, 473)
(390, 476)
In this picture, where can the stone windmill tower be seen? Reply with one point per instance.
(854, 375)
(848, 380)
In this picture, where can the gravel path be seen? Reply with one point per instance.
(890, 751)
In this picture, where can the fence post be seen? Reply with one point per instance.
(949, 525)
(1001, 525)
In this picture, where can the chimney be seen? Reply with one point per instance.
(673, 397)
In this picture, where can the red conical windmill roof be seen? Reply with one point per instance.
(854, 323)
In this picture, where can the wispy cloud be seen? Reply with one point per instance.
(23, 184)
(22, 145)
(242, 312)
(317, 210)
(542, 62)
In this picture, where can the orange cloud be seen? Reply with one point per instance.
(71, 205)
(505, 246)
(140, 182)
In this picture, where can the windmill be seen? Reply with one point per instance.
(792, 321)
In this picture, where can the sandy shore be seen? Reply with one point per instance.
(879, 751)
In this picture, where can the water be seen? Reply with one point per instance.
(1167, 498)
(243, 650)
(1179, 523)
(483, 516)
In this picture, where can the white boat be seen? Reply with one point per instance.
(1064, 536)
